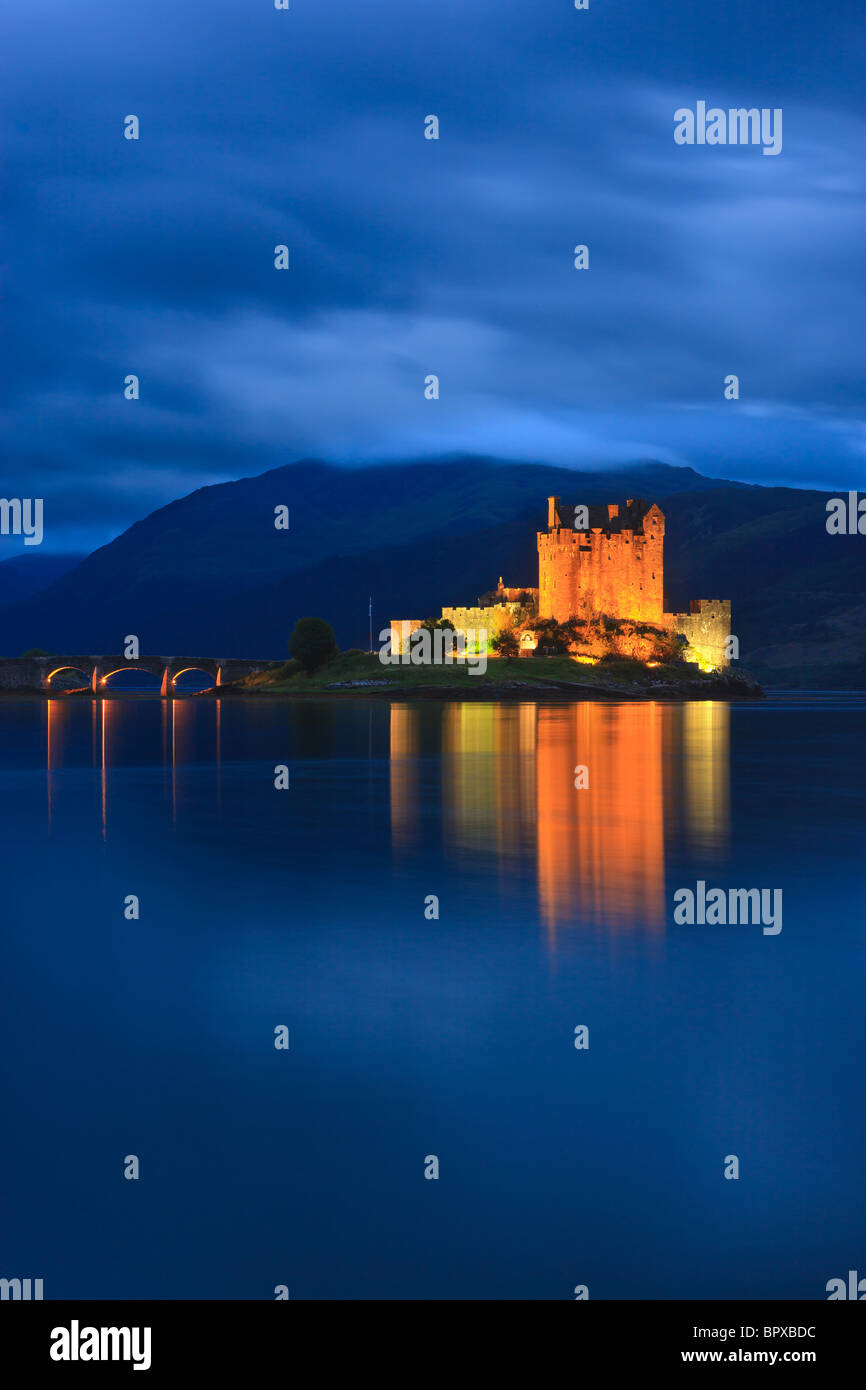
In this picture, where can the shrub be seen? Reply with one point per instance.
(553, 637)
(506, 643)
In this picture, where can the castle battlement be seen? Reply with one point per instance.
(611, 563)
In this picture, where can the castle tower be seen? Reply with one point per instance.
(612, 564)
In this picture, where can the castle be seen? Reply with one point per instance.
(597, 562)
(607, 559)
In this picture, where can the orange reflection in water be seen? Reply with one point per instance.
(53, 746)
(601, 848)
(404, 776)
(183, 722)
(178, 726)
(508, 790)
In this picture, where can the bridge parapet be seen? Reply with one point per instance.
(37, 672)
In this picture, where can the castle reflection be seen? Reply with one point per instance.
(495, 783)
(706, 732)
(508, 773)
(404, 773)
(601, 849)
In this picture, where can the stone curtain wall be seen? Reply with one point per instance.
(706, 628)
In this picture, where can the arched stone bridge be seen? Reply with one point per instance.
(38, 672)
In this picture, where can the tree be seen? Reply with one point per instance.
(505, 643)
(445, 624)
(312, 643)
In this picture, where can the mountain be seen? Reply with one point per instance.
(26, 574)
(211, 574)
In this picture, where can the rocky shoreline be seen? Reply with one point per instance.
(728, 686)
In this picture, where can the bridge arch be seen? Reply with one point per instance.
(77, 670)
(214, 679)
(131, 668)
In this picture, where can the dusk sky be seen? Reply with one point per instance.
(410, 256)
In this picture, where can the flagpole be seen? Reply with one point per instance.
(371, 624)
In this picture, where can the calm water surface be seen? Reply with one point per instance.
(412, 1037)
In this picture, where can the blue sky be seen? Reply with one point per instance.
(410, 256)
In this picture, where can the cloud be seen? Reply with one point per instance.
(412, 256)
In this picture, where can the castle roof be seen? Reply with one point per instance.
(610, 517)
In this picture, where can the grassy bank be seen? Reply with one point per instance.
(358, 673)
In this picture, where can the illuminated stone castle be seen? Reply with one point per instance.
(609, 560)
(598, 561)
(612, 564)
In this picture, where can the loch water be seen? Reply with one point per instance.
(432, 907)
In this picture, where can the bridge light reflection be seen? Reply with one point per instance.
(113, 734)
